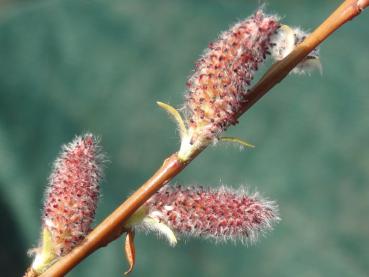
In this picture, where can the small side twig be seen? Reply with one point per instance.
(111, 227)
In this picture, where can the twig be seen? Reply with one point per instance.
(344, 13)
(111, 228)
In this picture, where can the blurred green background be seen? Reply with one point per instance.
(73, 66)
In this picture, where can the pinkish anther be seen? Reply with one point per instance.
(220, 214)
(223, 74)
(73, 193)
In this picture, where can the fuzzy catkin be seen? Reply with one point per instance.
(73, 193)
(219, 214)
(223, 74)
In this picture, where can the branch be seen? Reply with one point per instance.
(344, 13)
(112, 227)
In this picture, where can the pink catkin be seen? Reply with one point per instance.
(73, 193)
(220, 214)
(223, 74)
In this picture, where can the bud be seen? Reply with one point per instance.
(70, 200)
(220, 214)
(285, 41)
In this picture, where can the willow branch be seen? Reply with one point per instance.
(344, 13)
(111, 228)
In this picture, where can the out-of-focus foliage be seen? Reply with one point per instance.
(73, 66)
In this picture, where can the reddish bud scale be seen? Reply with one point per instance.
(223, 74)
(73, 193)
(221, 214)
